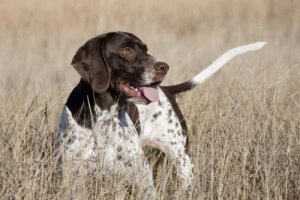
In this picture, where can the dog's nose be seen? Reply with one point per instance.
(161, 67)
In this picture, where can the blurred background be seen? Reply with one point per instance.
(257, 92)
(39, 39)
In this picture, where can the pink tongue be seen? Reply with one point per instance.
(151, 94)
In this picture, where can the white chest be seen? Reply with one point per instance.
(113, 135)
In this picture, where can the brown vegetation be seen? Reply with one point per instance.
(244, 122)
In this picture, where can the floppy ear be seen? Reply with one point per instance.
(91, 64)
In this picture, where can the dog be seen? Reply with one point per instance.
(118, 107)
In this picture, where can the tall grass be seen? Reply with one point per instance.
(244, 123)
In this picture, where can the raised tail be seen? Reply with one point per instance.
(214, 67)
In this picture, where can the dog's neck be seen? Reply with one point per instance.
(83, 99)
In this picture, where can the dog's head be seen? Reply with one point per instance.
(119, 62)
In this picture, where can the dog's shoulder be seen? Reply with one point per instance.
(172, 100)
(164, 112)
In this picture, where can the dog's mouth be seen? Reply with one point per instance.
(145, 92)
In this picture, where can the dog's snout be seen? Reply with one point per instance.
(161, 67)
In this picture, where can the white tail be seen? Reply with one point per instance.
(223, 59)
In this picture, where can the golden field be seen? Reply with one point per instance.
(244, 122)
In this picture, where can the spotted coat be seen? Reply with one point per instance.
(115, 142)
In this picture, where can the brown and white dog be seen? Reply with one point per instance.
(118, 107)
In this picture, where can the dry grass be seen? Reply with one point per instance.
(244, 122)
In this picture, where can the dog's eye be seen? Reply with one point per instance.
(128, 50)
